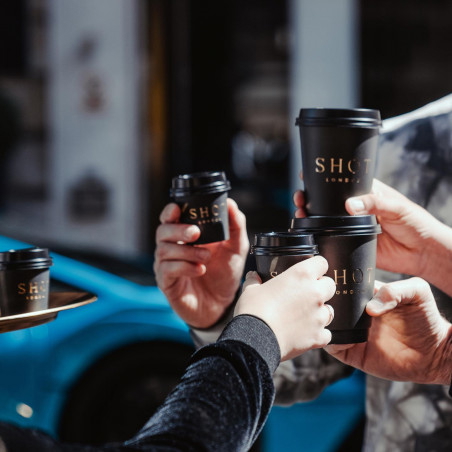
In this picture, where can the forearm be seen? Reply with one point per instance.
(209, 411)
(298, 380)
(221, 403)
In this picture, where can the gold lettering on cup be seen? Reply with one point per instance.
(358, 276)
(319, 161)
(337, 165)
(204, 212)
(343, 276)
(35, 290)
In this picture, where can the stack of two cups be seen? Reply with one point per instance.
(339, 155)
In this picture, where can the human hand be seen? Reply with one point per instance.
(199, 281)
(409, 340)
(300, 202)
(293, 305)
(413, 241)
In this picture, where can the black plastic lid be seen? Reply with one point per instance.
(284, 243)
(340, 225)
(203, 182)
(25, 258)
(350, 117)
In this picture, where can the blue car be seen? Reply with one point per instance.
(97, 372)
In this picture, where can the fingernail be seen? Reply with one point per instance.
(378, 306)
(356, 205)
(190, 232)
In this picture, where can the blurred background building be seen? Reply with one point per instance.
(103, 101)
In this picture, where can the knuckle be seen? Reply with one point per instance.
(159, 253)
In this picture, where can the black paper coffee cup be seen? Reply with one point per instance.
(202, 198)
(275, 252)
(349, 244)
(24, 280)
(339, 149)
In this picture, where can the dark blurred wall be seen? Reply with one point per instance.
(406, 54)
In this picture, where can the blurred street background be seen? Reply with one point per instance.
(103, 101)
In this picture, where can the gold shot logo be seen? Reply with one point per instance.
(342, 170)
(353, 281)
(33, 290)
(203, 214)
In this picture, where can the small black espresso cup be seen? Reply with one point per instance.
(275, 252)
(202, 198)
(349, 244)
(339, 149)
(24, 280)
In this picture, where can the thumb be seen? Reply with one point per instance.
(251, 279)
(411, 291)
(361, 205)
(376, 307)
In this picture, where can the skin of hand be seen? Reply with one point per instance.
(199, 281)
(408, 340)
(293, 305)
(412, 240)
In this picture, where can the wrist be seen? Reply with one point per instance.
(445, 360)
(438, 259)
(203, 336)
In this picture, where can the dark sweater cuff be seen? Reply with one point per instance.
(257, 334)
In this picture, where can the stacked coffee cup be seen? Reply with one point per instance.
(339, 150)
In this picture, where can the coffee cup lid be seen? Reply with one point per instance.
(202, 182)
(350, 117)
(284, 243)
(25, 258)
(336, 225)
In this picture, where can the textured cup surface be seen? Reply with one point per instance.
(349, 244)
(24, 281)
(202, 198)
(275, 252)
(339, 150)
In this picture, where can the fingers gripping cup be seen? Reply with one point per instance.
(349, 244)
(275, 252)
(202, 198)
(339, 154)
(24, 280)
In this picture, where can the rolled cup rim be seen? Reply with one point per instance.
(346, 117)
(23, 265)
(337, 225)
(277, 243)
(205, 182)
(285, 251)
(25, 258)
(186, 192)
